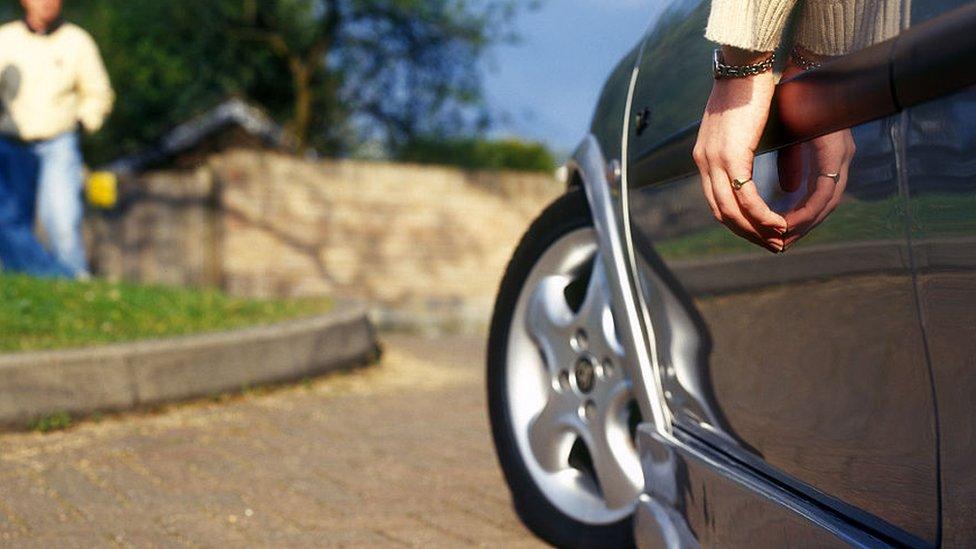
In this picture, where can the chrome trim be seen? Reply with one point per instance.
(659, 458)
(604, 196)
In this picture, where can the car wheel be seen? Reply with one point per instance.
(562, 410)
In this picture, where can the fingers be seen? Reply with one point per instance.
(789, 163)
(806, 213)
(706, 182)
(740, 222)
(838, 194)
(756, 209)
(743, 211)
(739, 167)
(826, 188)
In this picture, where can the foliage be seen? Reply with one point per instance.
(46, 314)
(55, 422)
(336, 72)
(473, 153)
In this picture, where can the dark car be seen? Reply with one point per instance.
(655, 379)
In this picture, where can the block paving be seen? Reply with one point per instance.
(398, 455)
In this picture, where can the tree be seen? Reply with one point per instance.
(336, 72)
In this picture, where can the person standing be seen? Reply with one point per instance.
(52, 84)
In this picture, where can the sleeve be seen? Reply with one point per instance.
(95, 95)
(755, 25)
(841, 27)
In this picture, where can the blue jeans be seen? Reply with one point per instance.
(20, 250)
(59, 199)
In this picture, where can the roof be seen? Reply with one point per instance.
(190, 134)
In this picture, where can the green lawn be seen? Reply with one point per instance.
(53, 314)
(852, 221)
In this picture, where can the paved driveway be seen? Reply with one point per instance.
(398, 455)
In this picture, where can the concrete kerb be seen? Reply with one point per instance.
(119, 377)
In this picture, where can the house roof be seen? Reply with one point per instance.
(190, 134)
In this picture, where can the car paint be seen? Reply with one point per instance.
(829, 370)
(940, 161)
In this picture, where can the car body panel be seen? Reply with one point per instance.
(843, 372)
(672, 86)
(697, 497)
(608, 120)
(809, 367)
(941, 165)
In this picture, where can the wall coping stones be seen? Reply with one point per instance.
(132, 375)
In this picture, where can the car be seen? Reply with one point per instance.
(654, 379)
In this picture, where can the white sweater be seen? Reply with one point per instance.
(826, 27)
(50, 83)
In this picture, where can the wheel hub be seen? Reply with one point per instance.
(585, 374)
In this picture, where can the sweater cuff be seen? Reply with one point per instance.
(839, 27)
(755, 25)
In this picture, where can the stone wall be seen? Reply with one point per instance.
(426, 245)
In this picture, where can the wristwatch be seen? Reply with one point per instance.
(721, 70)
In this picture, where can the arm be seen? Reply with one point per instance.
(95, 95)
(736, 114)
(738, 108)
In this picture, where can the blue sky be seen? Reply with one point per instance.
(545, 86)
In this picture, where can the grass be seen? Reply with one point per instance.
(853, 221)
(55, 314)
(54, 422)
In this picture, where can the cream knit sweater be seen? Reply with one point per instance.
(50, 83)
(826, 27)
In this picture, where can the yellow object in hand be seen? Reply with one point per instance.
(102, 190)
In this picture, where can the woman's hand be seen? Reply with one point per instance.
(824, 163)
(828, 160)
(733, 122)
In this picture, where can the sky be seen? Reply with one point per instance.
(546, 86)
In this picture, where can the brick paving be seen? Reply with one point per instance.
(393, 456)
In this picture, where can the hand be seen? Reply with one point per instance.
(827, 160)
(824, 162)
(733, 122)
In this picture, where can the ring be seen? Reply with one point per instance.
(834, 176)
(738, 184)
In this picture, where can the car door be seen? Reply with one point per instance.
(808, 367)
(940, 166)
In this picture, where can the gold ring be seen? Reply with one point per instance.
(738, 184)
(834, 176)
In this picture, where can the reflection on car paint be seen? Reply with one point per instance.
(941, 172)
(812, 367)
(740, 325)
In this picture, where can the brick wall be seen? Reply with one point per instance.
(427, 245)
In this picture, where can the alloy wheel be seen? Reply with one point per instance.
(570, 397)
